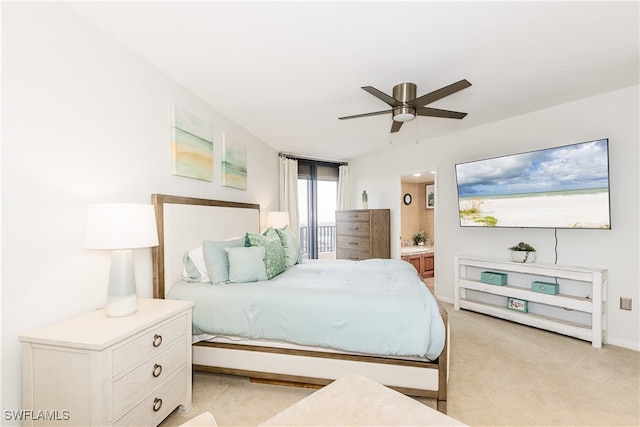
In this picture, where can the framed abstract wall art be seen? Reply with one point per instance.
(234, 163)
(191, 145)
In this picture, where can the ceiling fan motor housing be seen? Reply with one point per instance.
(404, 92)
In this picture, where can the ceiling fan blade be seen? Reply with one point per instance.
(382, 96)
(434, 112)
(440, 93)
(366, 115)
(395, 127)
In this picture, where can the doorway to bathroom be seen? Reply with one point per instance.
(417, 225)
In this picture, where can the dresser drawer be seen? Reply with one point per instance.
(158, 404)
(354, 243)
(349, 228)
(352, 254)
(352, 216)
(146, 377)
(148, 343)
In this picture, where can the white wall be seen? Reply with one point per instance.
(613, 115)
(85, 120)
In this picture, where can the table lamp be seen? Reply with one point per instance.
(121, 227)
(277, 219)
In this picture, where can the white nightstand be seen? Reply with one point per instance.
(99, 370)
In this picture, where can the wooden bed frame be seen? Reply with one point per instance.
(183, 222)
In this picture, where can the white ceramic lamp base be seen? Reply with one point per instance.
(122, 299)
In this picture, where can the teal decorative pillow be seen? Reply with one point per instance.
(217, 260)
(246, 264)
(273, 252)
(290, 245)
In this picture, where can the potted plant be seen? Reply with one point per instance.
(523, 252)
(420, 238)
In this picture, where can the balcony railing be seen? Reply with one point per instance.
(326, 238)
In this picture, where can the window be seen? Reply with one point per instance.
(317, 196)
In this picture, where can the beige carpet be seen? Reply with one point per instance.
(502, 374)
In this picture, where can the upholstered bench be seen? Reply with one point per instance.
(354, 400)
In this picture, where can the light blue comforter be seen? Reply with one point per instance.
(375, 307)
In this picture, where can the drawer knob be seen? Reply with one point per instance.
(157, 370)
(353, 257)
(353, 228)
(157, 340)
(157, 404)
(353, 243)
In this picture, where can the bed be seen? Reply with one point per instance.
(183, 224)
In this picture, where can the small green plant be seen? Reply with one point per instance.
(523, 247)
(421, 237)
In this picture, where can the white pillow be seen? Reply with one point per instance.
(194, 268)
(246, 264)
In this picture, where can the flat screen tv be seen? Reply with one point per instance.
(560, 187)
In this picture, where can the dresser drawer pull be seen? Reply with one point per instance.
(157, 404)
(353, 228)
(353, 243)
(353, 257)
(157, 370)
(157, 340)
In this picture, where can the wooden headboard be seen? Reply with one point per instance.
(184, 222)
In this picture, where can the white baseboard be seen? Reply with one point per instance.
(624, 344)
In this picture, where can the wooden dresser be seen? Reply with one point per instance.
(94, 370)
(363, 234)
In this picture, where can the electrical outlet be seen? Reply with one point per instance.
(625, 303)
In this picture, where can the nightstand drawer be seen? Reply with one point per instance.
(158, 404)
(148, 376)
(360, 229)
(146, 344)
(355, 243)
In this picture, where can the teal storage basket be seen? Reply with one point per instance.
(545, 287)
(493, 278)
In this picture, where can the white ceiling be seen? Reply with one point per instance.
(286, 71)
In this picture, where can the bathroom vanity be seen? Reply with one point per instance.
(421, 257)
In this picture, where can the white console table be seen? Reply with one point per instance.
(579, 310)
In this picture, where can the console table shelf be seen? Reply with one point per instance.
(587, 294)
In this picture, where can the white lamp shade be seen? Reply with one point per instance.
(120, 226)
(277, 219)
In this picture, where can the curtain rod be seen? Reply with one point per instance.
(311, 159)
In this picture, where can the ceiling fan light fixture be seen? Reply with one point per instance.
(404, 114)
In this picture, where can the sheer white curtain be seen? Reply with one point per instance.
(344, 188)
(289, 191)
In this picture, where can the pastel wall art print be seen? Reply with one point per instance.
(234, 163)
(191, 145)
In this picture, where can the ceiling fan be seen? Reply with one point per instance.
(405, 105)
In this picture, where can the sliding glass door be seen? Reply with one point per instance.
(317, 196)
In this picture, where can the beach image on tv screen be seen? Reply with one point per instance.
(561, 187)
